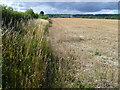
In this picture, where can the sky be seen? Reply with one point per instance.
(71, 7)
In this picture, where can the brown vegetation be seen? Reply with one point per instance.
(87, 49)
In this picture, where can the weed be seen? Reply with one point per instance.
(97, 53)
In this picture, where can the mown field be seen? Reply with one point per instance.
(87, 51)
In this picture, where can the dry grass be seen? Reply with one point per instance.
(88, 51)
(25, 53)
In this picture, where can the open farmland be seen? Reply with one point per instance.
(87, 49)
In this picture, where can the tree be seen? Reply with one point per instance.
(42, 13)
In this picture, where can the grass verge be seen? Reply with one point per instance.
(26, 54)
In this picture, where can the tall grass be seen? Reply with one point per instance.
(25, 55)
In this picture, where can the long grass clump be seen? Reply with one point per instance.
(24, 55)
(27, 60)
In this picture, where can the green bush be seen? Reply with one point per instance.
(43, 16)
(10, 17)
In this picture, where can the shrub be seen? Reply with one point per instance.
(43, 16)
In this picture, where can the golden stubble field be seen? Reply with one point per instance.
(88, 51)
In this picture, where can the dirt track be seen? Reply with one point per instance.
(89, 47)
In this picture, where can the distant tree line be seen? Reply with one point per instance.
(94, 16)
(11, 17)
(98, 16)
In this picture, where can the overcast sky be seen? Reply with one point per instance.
(66, 7)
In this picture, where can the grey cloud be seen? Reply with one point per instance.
(66, 7)
(85, 6)
(79, 6)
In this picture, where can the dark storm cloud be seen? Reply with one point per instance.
(68, 7)
(85, 6)
(79, 6)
